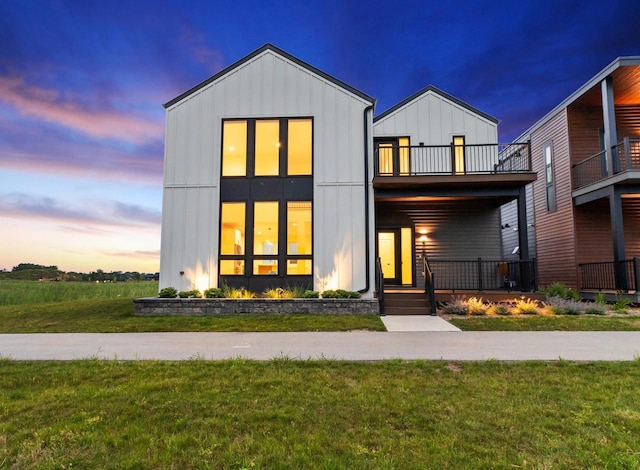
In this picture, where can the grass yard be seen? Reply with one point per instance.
(116, 316)
(547, 323)
(318, 414)
(32, 292)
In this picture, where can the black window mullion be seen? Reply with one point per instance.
(251, 147)
(284, 147)
(248, 239)
(282, 238)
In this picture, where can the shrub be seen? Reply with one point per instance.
(620, 305)
(476, 307)
(310, 294)
(340, 294)
(277, 293)
(190, 294)
(600, 299)
(558, 289)
(168, 293)
(237, 293)
(526, 307)
(297, 292)
(498, 309)
(562, 306)
(595, 309)
(457, 306)
(214, 293)
(330, 294)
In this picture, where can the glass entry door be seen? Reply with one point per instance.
(395, 249)
(388, 253)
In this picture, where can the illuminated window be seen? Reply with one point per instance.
(263, 267)
(265, 228)
(232, 228)
(267, 148)
(298, 228)
(297, 267)
(231, 267)
(403, 151)
(234, 148)
(299, 148)
(458, 149)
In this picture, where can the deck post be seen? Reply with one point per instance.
(480, 283)
(609, 119)
(523, 240)
(617, 231)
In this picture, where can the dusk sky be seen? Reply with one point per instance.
(82, 85)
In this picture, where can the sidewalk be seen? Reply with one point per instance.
(356, 346)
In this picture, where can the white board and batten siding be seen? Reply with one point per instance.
(265, 86)
(434, 119)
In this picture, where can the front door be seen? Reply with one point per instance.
(389, 257)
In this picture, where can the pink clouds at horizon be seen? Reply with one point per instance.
(48, 105)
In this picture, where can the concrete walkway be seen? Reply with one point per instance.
(357, 346)
(417, 323)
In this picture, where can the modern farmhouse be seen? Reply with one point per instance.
(278, 174)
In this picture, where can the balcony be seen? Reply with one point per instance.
(406, 166)
(626, 157)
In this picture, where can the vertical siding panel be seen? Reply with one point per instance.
(555, 237)
(631, 217)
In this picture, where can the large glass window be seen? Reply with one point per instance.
(234, 150)
(299, 228)
(232, 219)
(300, 142)
(265, 228)
(232, 237)
(267, 148)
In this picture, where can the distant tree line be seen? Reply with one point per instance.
(37, 272)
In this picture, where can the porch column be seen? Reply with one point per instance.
(617, 232)
(523, 238)
(610, 132)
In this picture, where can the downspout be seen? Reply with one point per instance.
(367, 244)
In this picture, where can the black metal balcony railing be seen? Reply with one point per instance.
(453, 159)
(626, 156)
(602, 275)
(482, 275)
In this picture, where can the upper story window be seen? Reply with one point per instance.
(549, 177)
(267, 147)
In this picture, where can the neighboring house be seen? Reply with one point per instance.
(277, 174)
(440, 180)
(586, 152)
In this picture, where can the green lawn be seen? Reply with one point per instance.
(548, 323)
(319, 414)
(116, 316)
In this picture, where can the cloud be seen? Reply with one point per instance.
(49, 105)
(152, 254)
(110, 213)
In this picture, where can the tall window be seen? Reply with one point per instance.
(458, 154)
(234, 150)
(549, 177)
(266, 214)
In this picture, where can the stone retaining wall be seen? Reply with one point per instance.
(157, 306)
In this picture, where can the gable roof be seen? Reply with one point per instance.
(280, 52)
(599, 77)
(433, 89)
